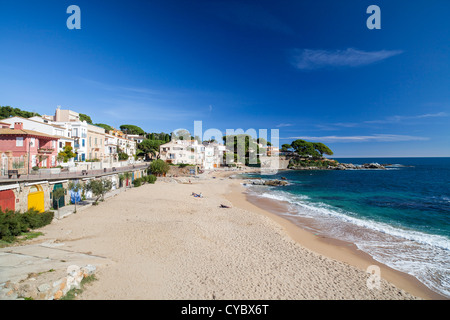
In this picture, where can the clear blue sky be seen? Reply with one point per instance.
(311, 69)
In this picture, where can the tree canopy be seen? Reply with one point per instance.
(243, 146)
(104, 126)
(132, 129)
(307, 149)
(66, 154)
(85, 117)
(159, 136)
(150, 146)
(7, 112)
(159, 167)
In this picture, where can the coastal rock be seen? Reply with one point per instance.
(261, 182)
(373, 166)
(275, 183)
(351, 166)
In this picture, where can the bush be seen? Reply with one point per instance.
(151, 178)
(159, 167)
(137, 182)
(35, 220)
(13, 224)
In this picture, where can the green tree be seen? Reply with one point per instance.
(99, 188)
(286, 147)
(85, 117)
(7, 112)
(181, 134)
(66, 154)
(104, 126)
(132, 129)
(305, 148)
(322, 149)
(159, 167)
(150, 146)
(244, 146)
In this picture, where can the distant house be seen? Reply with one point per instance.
(134, 137)
(176, 153)
(206, 155)
(22, 149)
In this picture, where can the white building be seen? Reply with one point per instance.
(208, 155)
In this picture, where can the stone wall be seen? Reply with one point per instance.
(50, 285)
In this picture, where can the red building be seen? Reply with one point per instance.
(24, 149)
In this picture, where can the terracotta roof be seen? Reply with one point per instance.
(9, 131)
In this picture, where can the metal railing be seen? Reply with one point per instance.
(62, 175)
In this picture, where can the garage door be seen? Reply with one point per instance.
(36, 198)
(61, 200)
(7, 200)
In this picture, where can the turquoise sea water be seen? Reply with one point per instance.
(400, 216)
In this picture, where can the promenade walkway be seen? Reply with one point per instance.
(70, 175)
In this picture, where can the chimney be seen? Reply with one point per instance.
(18, 126)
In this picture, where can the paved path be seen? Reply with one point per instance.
(17, 262)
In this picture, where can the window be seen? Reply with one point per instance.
(82, 142)
(19, 141)
(32, 142)
(90, 141)
(60, 144)
(95, 141)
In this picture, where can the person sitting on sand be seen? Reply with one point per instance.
(196, 195)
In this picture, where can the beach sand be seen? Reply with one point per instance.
(160, 242)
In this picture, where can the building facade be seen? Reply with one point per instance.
(22, 149)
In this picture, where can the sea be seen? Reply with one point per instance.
(400, 216)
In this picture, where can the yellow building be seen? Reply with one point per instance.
(95, 142)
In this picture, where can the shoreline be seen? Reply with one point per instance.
(330, 247)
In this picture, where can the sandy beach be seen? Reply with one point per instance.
(160, 242)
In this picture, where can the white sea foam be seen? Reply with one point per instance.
(425, 256)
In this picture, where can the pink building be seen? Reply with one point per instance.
(24, 149)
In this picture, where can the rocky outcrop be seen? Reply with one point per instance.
(261, 182)
(351, 166)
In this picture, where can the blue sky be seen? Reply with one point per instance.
(311, 69)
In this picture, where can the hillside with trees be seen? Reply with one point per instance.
(7, 112)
